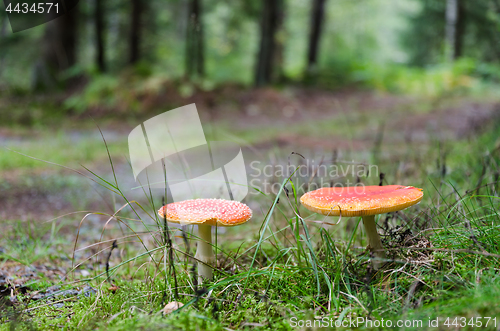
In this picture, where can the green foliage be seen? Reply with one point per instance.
(365, 45)
(33, 243)
(100, 92)
(425, 36)
(463, 76)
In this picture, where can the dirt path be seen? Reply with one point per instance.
(292, 119)
(400, 118)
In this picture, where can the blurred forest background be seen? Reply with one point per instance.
(411, 86)
(133, 55)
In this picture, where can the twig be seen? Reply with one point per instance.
(113, 246)
(168, 243)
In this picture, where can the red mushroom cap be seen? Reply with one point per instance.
(207, 211)
(361, 200)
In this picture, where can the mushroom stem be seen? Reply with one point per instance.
(204, 253)
(374, 242)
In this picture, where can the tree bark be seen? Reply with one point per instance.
(99, 35)
(267, 58)
(59, 50)
(68, 29)
(62, 40)
(135, 31)
(317, 18)
(195, 52)
(455, 28)
(460, 31)
(277, 73)
(3, 32)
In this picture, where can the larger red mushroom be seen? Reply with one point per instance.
(364, 201)
(206, 213)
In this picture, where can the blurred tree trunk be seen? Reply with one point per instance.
(62, 39)
(135, 31)
(317, 17)
(194, 57)
(460, 35)
(455, 28)
(99, 35)
(59, 50)
(270, 55)
(3, 32)
(279, 37)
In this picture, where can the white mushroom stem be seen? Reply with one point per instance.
(374, 242)
(204, 253)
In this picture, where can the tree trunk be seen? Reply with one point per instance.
(3, 32)
(195, 56)
(201, 45)
(135, 31)
(279, 38)
(460, 31)
(63, 39)
(317, 17)
(271, 21)
(455, 28)
(59, 50)
(99, 35)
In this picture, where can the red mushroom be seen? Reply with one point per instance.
(205, 213)
(364, 201)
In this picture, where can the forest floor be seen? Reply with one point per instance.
(449, 146)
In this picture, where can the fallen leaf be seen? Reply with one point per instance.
(171, 306)
(113, 288)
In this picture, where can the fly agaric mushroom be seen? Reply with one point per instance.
(364, 201)
(206, 213)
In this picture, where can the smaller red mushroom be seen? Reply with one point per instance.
(206, 213)
(364, 201)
